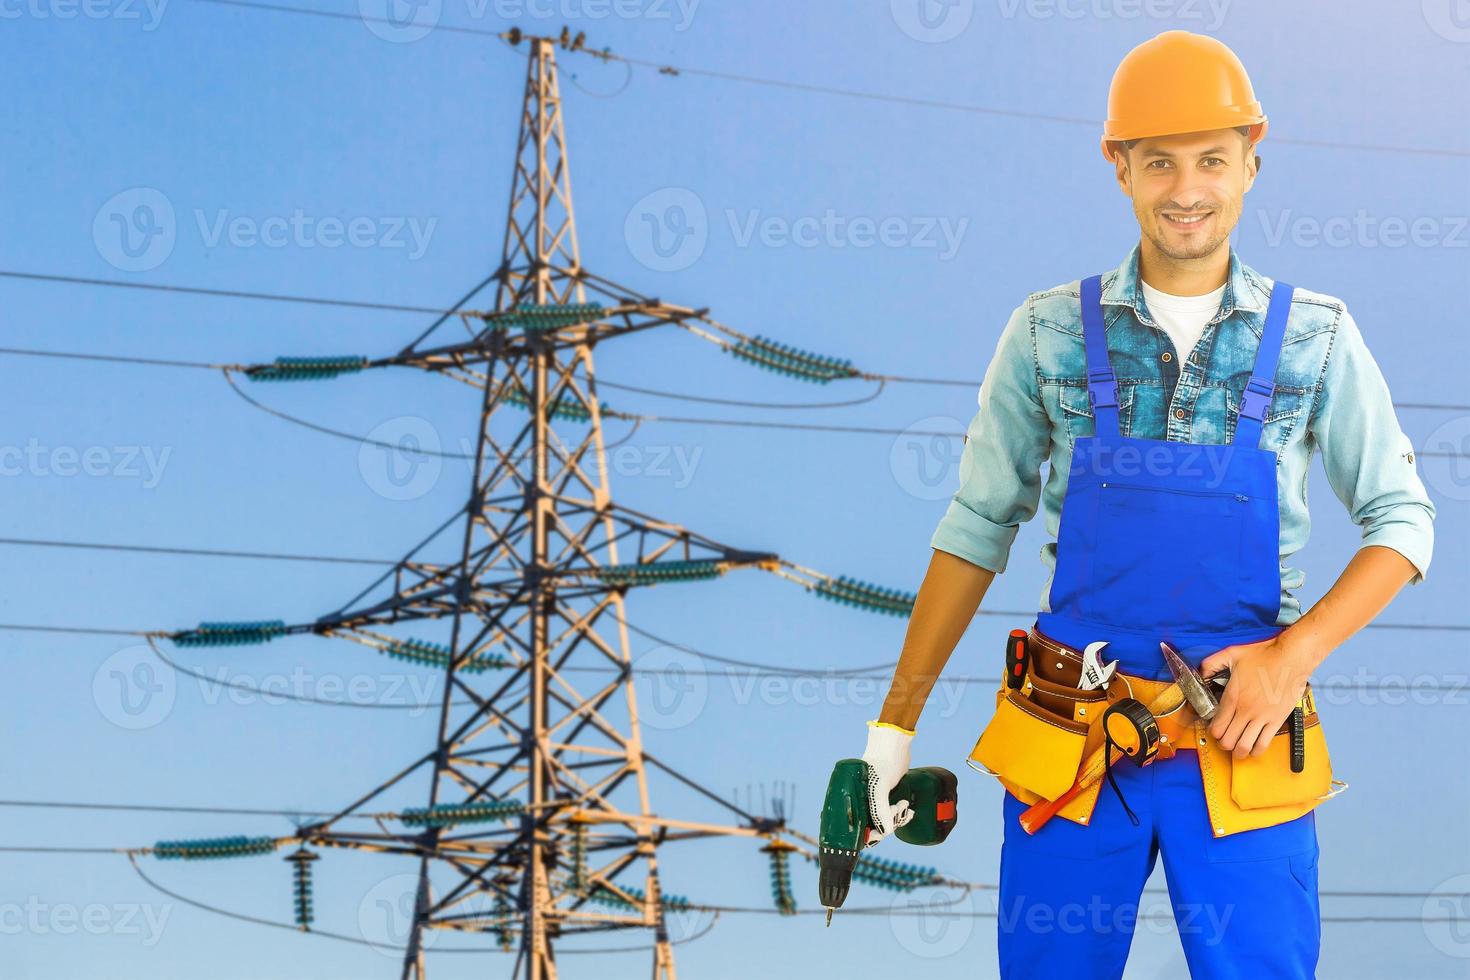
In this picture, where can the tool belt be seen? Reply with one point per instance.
(1042, 731)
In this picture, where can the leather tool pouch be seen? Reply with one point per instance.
(1267, 780)
(1036, 738)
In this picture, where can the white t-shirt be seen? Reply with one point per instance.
(1183, 318)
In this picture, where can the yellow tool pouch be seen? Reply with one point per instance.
(1267, 779)
(1031, 746)
(1261, 791)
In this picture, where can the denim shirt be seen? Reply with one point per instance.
(1330, 395)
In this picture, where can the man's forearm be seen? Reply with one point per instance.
(1366, 586)
(947, 600)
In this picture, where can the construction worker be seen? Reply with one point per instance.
(1179, 399)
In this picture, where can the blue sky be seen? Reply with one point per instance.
(318, 156)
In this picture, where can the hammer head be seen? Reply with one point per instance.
(1200, 693)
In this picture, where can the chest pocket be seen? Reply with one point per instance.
(1170, 556)
(1282, 417)
(1076, 411)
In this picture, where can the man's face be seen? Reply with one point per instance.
(1187, 189)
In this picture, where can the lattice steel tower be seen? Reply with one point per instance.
(539, 804)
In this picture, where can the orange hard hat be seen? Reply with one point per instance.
(1179, 82)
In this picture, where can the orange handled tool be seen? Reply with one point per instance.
(1041, 811)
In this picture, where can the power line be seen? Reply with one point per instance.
(167, 808)
(293, 927)
(205, 552)
(227, 293)
(750, 669)
(746, 403)
(665, 69)
(884, 379)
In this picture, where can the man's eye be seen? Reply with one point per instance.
(1212, 160)
(1158, 163)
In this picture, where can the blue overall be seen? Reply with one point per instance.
(1163, 540)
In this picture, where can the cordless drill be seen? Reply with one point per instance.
(847, 820)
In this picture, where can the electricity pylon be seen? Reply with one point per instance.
(539, 797)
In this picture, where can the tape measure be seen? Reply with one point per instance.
(1130, 726)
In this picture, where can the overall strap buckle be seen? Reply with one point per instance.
(1256, 398)
(1102, 390)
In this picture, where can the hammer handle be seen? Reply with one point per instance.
(1093, 768)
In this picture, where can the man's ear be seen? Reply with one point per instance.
(1252, 168)
(1125, 179)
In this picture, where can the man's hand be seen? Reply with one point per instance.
(1267, 679)
(887, 756)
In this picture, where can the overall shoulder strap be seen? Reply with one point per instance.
(1102, 386)
(1256, 398)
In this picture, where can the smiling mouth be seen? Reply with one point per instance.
(1186, 221)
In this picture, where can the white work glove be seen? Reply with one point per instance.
(887, 756)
